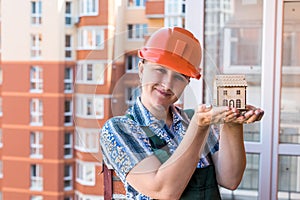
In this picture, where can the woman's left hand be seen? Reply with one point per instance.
(251, 115)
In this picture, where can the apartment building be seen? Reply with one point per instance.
(53, 56)
(37, 122)
(67, 66)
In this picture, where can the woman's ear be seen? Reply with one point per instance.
(141, 69)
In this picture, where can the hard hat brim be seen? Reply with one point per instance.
(171, 61)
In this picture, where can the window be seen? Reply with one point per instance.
(242, 51)
(90, 106)
(287, 112)
(36, 112)
(36, 197)
(290, 36)
(131, 94)
(68, 80)
(288, 184)
(91, 38)
(136, 3)
(36, 177)
(174, 13)
(68, 113)
(36, 145)
(183, 6)
(137, 31)
(36, 12)
(68, 145)
(99, 106)
(36, 40)
(85, 173)
(88, 7)
(225, 102)
(68, 47)
(86, 140)
(224, 92)
(80, 196)
(68, 174)
(172, 21)
(1, 138)
(132, 63)
(238, 103)
(68, 13)
(90, 72)
(36, 79)
(174, 7)
(238, 92)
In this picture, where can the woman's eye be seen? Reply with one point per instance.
(161, 70)
(179, 77)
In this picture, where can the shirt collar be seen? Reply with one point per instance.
(144, 118)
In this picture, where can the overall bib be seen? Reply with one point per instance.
(203, 183)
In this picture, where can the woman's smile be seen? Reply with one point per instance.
(163, 92)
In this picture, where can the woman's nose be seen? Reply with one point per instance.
(168, 81)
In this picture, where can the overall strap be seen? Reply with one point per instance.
(159, 146)
(189, 112)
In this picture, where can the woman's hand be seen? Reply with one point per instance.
(207, 114)
(251, 115)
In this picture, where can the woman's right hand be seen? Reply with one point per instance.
(207, 114)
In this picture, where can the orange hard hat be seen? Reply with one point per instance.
(175, 48)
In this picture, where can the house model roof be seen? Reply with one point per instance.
(231, 80)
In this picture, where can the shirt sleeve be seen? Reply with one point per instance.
(123, 145)
(213, 139)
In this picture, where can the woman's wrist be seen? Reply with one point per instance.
(233, 125)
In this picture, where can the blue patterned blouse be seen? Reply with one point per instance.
(124, 143)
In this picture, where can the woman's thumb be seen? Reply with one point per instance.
(204, 108)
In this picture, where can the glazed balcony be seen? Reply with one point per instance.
(155, 9)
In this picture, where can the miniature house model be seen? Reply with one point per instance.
(231, 91)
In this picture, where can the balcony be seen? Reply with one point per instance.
(155, 9)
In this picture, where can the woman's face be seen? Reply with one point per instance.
(160, 85)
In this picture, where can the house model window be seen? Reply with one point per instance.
(231, 91)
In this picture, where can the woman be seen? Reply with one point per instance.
(157, 149)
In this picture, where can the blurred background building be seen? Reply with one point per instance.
(69, 65)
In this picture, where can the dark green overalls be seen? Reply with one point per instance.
(203, 184)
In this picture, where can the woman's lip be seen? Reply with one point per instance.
(164, 93)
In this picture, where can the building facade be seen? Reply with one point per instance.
(37, 122)
(57, 72)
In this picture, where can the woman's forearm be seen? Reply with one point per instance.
(230, 160)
